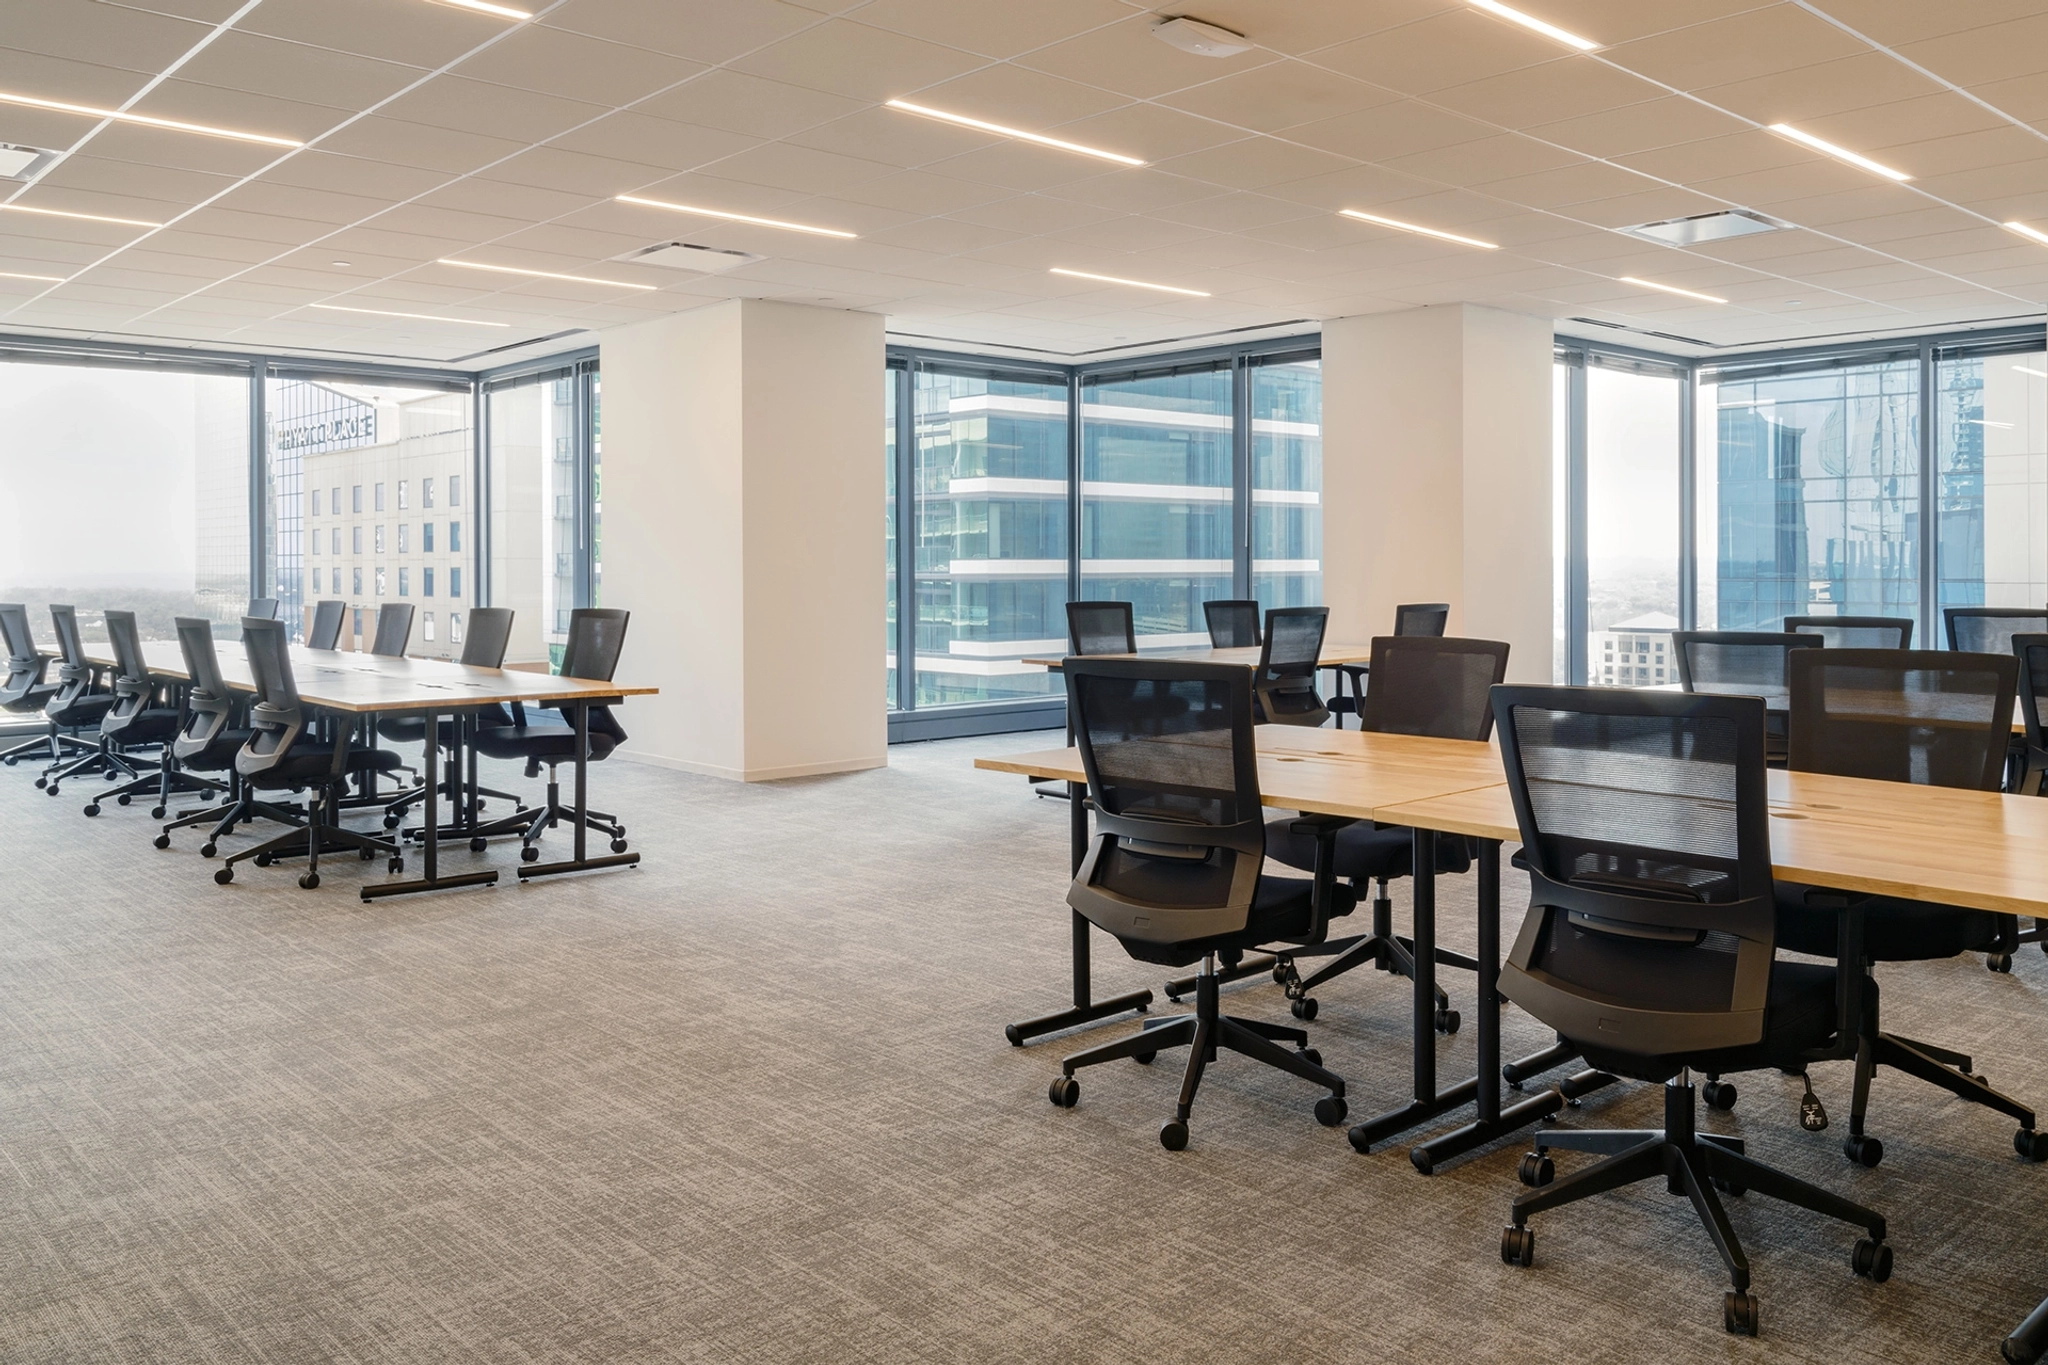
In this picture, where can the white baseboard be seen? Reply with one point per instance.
(731, 774)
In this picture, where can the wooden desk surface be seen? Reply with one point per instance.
(1328, 772)
(342, 681)
(1986, 850)
(1331, 656)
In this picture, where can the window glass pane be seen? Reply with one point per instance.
(533, 491)
(1560, 523)
(352, 433)
(1816, 496)
(1991, 460)
(1156, 494)
(164, 531)
(1632, 527)
(889, 378)
(991, 526)
(1287, 484)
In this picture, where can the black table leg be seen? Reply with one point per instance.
(1086, 1009)
(430, 845)
(581, 862)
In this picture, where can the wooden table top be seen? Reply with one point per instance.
(1248, 656)
(1878, 703)
(1330, 772)
(339, 680)
(1985, 850)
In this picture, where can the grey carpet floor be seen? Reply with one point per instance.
(752, 1102)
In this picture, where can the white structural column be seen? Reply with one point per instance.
(1437, 475)
(743, 500)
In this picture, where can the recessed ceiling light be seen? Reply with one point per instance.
(2038, 374)
(16, 275)
(1529, 21)
(24, 163)
(1135, 284)
(1672, 289)
(502, 11)
(419, 317)
(87, 217)
(1001, 130)
(1839, 153)
(1718, 226)
(1203, 40)
(117, 116)
(1981, 422)
(545, 274)
(1400, 226)
(2023, 230)
(733, 217)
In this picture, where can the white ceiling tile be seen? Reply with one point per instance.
(573, 173)
(739, 103)
(656, 142)
(1392, 130)
(857, 62)
(1127, 59)
(419, 145)
(1568, 87)
(1254, 164)
(251, 62)
(575, 67)
(786, 166)
(147, 146)
(1484, 160)
(1135, 191)
(1029, 213)
(1976, 56)
(993, 30)
(1635, 128)
(1453, 48)
(1776, 37)
(710, 31)
(917, 192)
(1280, 95)
(320, 169)
(405, 31)
(478, 107)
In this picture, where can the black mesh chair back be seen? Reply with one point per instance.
(133, 687)
(1933, 717)
(597, 635)
(1856, 632)
(277, 718)
(328, 616)
(490, 635)
(263, 606)
(1101, 628)
(1737, 663)
(1233, 624)
(1285, 684)
(1651, 927)
(1989, 630)
(1179, 838)
(1436, 686)
(2032, 652)
(1421, 618)
(75, 672)
(394, 630)
(209, 706)
(25, 663)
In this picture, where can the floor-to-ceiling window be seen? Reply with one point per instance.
(541, 472)
(892, 380)
(1633, 524)
(1287, 480)
(124, 488)
(1991, 472)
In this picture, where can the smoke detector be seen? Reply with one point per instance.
(1204, 40)
(703, 260)
(23, 163)
(1705, 227)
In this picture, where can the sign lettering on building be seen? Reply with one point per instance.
(327, 433)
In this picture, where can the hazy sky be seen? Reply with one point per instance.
(1631, 466)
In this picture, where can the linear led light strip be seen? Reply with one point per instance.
(502, 11)
(2038, 374)
(17, 275)
(419, 317)
(1839, 153)
(1002, 130)
(545, 274)
(1135, 284)
(1400, 226)
(2034, 234)
(1529, 21)
(733, 217)
(86, 217)
(32, 102)
(1672, 289)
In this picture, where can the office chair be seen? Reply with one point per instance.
(1932, 717)
(1989, 630)
(81, 703)
(24, 692)
(1410, 619)
(328, 616)
(1175, 867)
(208, 741)
(1650, 944)
(265, 607)
(1422, 685)
(394, 630)
(137, 719)
(490, 634)
(1233, 624)
(1284, 684)
(2032, 652)
(597, 635)
(1101, 628)
(1743, 663)
(281, 753)
(1855, 632)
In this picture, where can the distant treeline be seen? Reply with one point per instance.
(156, 611)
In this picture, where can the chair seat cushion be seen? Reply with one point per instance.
(310, 761)
(220, 753)
(1363, 849)
(1893, 930)
(148, 727)
(413, 729)
(1800, 1016)
(86, 710)
(35, 699)
(1282, 908)
(540, 741)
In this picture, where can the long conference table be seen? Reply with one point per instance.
(1982, 850)
(367, 686)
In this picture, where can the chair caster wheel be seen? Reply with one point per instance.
(1447, 1021)
(1871, 1260)
(93, 809)
(2030, 1144)
(224, 876)
(308, 880)
(1330, 1110)
(1173, 1135)
(1064, 1092)
(263, 860)
(208, 849)
(50, 790)
(479, 844)
(618, 845)
(162, 841)
(395, 865)
(1999, 962)
(156, 812)
(1739, 1313)
(123, 799)
(1309, 1055)
(1867, 1151)
(1730, 1188)
(1144, 1058)
(391, 822)
(1304, 1009)
(1517, 1247)
(42, 782)
(529, 854)
(1718, 1095)
(1537, 1170)
(1279, 973)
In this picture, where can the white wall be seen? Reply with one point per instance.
(1436, 475)
(742, 527)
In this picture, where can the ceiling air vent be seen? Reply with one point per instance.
(1705, 227)
(23, 163)
(704, 260)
